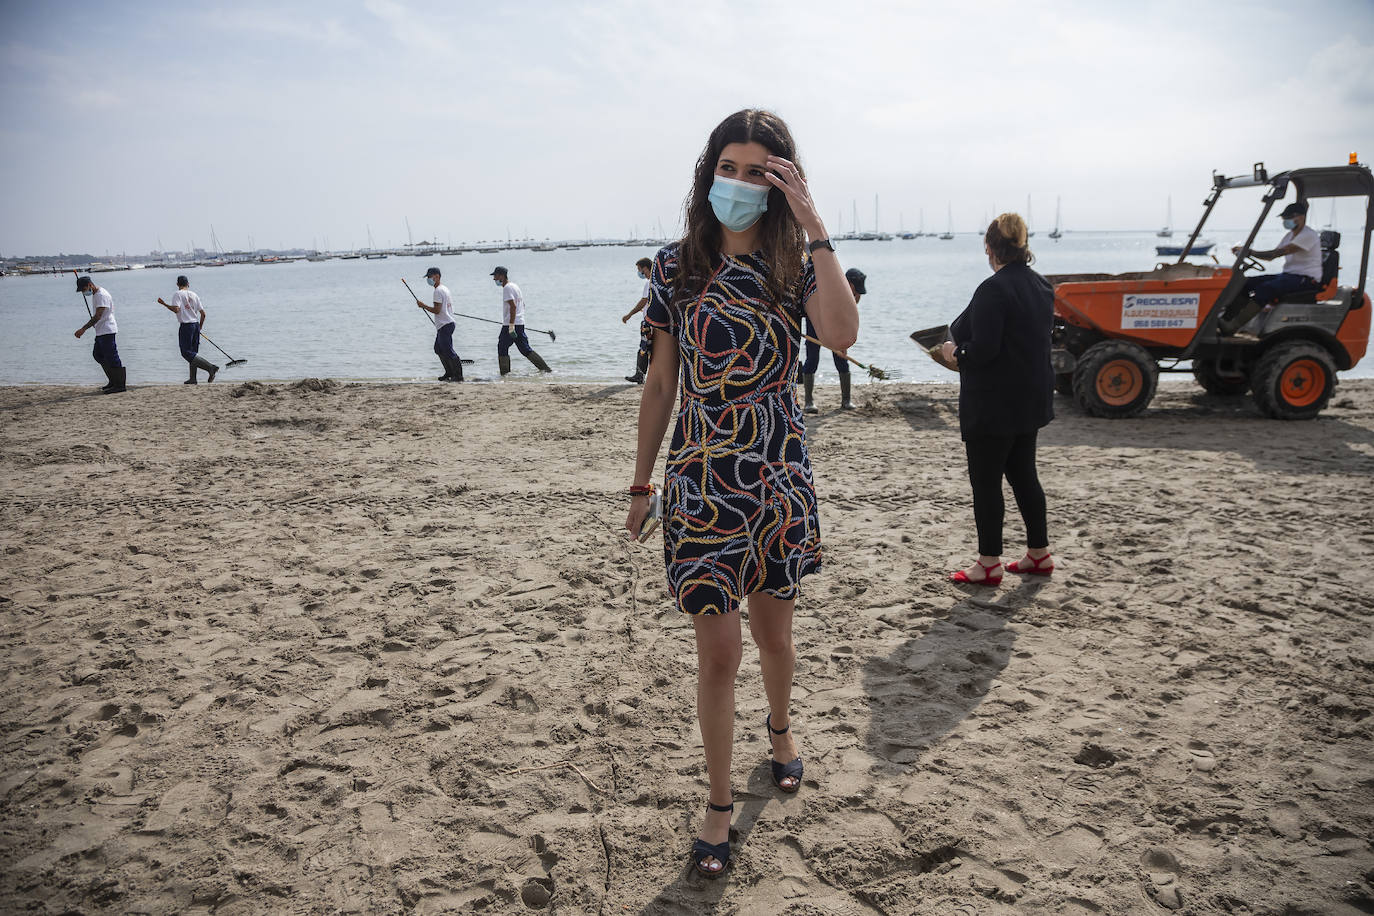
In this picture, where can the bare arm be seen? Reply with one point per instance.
(834, 314)
(639, 307)
(432, 309)
(1277, 252)
(655, 410)
(1272, 253)
(170, 308)
(99, 314)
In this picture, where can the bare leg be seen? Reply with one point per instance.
(719, 646)
(770, 623)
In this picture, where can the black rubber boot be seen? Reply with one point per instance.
(117, 375)
(109, 378)
(845, 403)
(192, 379)
(211, 370)
(538, 361)
(505, 363)
(454, 365)
(1237, 315)
(809, 386)
(641, 368)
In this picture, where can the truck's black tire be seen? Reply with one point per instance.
(1294, 380)
(1115, 379)
(1205, 371)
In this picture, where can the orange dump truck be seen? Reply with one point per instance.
(1114, 333)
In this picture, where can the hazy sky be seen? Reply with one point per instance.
(122, 124)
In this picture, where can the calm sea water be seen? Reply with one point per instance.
(354, 320)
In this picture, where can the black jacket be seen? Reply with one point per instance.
(1002, 342)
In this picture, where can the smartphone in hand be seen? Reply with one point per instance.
(652, 520)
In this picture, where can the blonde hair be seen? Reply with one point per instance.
(1006, 238)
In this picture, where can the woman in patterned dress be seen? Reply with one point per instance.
(740, 518)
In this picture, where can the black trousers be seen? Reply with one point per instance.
(990, 458)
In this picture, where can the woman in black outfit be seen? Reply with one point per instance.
(1001, 349)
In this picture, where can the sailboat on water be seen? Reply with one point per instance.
(372, 254)
(1056, 233)
(949, 226)
(1168, 231)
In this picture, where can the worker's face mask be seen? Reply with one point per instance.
(1290, 223)
(737, 204)
(432, 281)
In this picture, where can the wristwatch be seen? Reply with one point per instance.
(819, 244)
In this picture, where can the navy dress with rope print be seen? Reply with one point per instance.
(739, 501)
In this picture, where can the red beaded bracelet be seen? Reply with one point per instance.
(645, 490)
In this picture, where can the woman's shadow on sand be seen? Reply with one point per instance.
(930, 683)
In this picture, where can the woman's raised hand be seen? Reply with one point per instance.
(785, 176)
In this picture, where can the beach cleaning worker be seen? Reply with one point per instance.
(644, 267)
(186, 306)
(856, 279)
(513, 325)
(1301, 250)
(442, 310)
(103, 320)
(740, 519)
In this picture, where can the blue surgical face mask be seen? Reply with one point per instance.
(1290, 223)
(738, 204)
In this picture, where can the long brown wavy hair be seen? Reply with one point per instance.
(781, 239)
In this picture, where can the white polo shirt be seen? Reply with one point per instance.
(444, 300)
(1308, 260)
(511, 293)
(648, 287)
(103, 300)
(187, 305)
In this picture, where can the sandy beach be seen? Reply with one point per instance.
(339, 648)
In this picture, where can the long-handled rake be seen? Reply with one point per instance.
(873, 371)
(466, 362)
(552, 335)
(232, 361)
(83, 297)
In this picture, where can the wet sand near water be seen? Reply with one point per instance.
(372, 648)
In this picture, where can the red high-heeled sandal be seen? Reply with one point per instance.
(962, 578)
(1041, 567)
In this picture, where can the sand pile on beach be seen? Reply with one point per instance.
(327, 648)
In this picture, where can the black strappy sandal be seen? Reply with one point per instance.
(782, 771)
(702, 850)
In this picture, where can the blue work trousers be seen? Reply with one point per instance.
(522, 342)
(188, 336)
(105, 352)
(1268, 290)
(443, 342)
